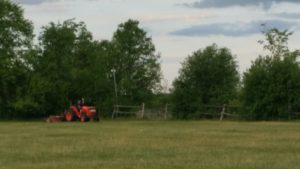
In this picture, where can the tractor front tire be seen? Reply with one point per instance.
(70, 116)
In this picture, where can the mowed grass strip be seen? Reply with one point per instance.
(150, 144)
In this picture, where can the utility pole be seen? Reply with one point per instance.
(115, 83)
(116, 107)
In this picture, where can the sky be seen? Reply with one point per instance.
(178, 27)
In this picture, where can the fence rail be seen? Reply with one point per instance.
(164, 111)
(128, 110)
(141, 112)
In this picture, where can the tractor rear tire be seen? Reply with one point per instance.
(83, 118)
(95, 119)
(70, 116)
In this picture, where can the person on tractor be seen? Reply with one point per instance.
(80, 103)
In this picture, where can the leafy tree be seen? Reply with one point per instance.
(101, 87)
(16, 34)
(63, 67)
(208, 76)
(136, 63)
(272, 84)
(67, 64)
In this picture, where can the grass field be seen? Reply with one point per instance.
(150, 144)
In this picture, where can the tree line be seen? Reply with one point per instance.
(268, 90)
(44, 76)
(66, 64)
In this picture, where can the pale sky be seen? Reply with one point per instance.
(178, 27)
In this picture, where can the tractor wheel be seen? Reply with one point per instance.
(70, 116)
(83, 118)
(95, 119)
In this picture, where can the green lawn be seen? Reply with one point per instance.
(150, 144)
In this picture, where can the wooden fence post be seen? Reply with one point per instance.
(143, 110)
(113, 114)
(222, 112)
(166, 111)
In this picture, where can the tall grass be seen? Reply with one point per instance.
(151, 145)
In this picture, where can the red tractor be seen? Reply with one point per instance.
(83, 113)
